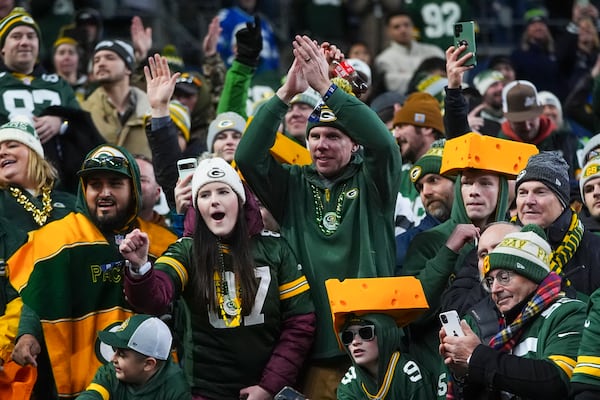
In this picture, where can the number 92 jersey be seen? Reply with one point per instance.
(30, 95)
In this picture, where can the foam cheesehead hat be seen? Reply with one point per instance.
(429, 163)
(421, 109)
(216, 170)
(180, 116)
(121, 48)
(551, 169)
(20, 129)
(589, 171)
(526, 252)
(520, 101)
(485, 79)
(227, 121)
(17, 17)
(106, 158)
(143, 333)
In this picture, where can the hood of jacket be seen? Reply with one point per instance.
(389, 340)
(459, 213)
(136, 186)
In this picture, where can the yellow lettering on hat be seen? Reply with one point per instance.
(435, 151)
(123, 325)
(590, 170)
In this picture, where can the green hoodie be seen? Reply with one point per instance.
(434, 265)
(400, 377)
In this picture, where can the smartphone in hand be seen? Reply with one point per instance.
(288, 393)
(464, 34)
(186, 166)
(451, 323)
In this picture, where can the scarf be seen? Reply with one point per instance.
(546, 294)
(567, 247)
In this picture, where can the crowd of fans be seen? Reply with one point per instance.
(362, 144)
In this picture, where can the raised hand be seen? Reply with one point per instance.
(135, 248)
(209, 44)
(141, 38)
(249, 43)
(160, 85)
(455, 68)
(312, 59)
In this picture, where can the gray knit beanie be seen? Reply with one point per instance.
(551, 169)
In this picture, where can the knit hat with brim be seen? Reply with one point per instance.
(17, 17)
(527, 253)
(20, 129)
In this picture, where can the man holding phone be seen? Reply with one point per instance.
(535, 349)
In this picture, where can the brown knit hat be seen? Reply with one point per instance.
(421, 109)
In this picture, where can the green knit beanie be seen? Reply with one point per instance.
(526, 252)
(429, 163)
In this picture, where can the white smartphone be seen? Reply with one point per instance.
(186, 166)
(451, 323)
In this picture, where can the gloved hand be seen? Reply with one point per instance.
(249, 43)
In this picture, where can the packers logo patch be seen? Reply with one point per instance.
(226, 123)
(215, 172)
(327, 115)
(352, 193)
(415, 173)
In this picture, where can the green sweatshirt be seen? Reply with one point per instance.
(363, 197)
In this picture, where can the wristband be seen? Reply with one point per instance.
(329, 92)
(141, 271)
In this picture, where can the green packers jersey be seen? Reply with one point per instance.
(30, 95)
(435, 19)
(587, 371)
(230, 354)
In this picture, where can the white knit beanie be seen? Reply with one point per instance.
(216, 170)
(20, 129)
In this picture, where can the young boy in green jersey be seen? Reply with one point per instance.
(141, 367)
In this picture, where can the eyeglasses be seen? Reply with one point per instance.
(366, 332)
(111, 162)
(502, 277)
(187, 78)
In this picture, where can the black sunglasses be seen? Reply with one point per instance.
(111, 162)
(366, 332)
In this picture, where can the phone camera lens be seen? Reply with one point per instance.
(444, 319)
(463, 43)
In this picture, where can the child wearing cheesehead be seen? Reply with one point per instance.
(369, 331)
(141, 367)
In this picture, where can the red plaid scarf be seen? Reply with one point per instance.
(546, 294)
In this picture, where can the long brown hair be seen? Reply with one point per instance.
(206, 259)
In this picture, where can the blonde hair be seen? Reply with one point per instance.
(39, 171)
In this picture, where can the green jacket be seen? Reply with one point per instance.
(401, 379)
(167, 384)
(434, 265)
(586, 376)
(364, 195)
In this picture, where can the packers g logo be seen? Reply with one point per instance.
(352, 193)
(415, 173)
(226, 123)
(215, 172)
(327, 115)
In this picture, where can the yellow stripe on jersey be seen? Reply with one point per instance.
(565, 363)
(387, 379)
(178, 267)
(101, 390)
(588, 365)
(293, 288)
